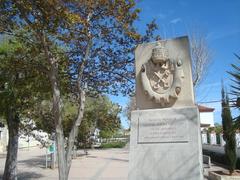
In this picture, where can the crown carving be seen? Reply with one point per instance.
(160, 53)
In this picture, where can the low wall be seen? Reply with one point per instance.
(217, 149)
(216, 152)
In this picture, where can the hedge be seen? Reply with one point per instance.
(113, 145)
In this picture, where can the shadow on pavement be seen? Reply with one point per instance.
(26, 175)
(117, 159)
(91, 156)
(38, 161)
(114, 159)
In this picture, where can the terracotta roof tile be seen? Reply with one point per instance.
(205, 109)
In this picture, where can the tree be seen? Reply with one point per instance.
(97, 39)
(106, 114)
(235, 89)
(42, 116)
(218, 128)
(228, 133)
(17, 88)
(201, 57)
(99, 113)
(131, 106)
(106, 134)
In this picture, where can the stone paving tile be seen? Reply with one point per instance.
(111, 164)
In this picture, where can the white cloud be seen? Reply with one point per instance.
(175, 21)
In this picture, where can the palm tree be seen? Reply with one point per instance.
(235, 88)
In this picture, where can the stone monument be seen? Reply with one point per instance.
(165, 141)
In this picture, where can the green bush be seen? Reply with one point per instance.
(218, 138)
(118, 144)
(208, 138)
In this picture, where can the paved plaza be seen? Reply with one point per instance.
(109, 164)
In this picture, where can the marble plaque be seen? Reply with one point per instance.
(162, 130)
(165, 144)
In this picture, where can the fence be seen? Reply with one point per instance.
(217, 139)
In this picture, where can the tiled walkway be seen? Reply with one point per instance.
(111, 164)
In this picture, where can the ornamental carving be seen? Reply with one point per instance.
(162, 77)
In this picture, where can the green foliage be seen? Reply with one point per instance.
(218, 140)
(228, 133)
(218, 128)
(19, 82)
(118, 144)
(210, 129)
(208, 138)
(235, 89)
(42, 116)
(19, 87)
(131, 106)
(105, 27)
(106, 134)
(85, 131)
(78, 47)
(99, 113)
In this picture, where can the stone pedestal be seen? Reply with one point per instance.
(165, 142)
(165, 145)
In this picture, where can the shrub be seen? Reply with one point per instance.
(118, 144)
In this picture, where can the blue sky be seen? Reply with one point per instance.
(219, 20)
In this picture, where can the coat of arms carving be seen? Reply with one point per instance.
(162, 77)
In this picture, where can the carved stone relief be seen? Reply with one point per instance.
(162, 77)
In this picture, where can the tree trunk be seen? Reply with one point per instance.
(74, 132)
(74, 129)
(57, 113)
(64, 159)
(57, 109)
(10, 171)
(61, 153)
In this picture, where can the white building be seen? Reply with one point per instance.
(206, 116)
(3, 137)
(35, 138)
